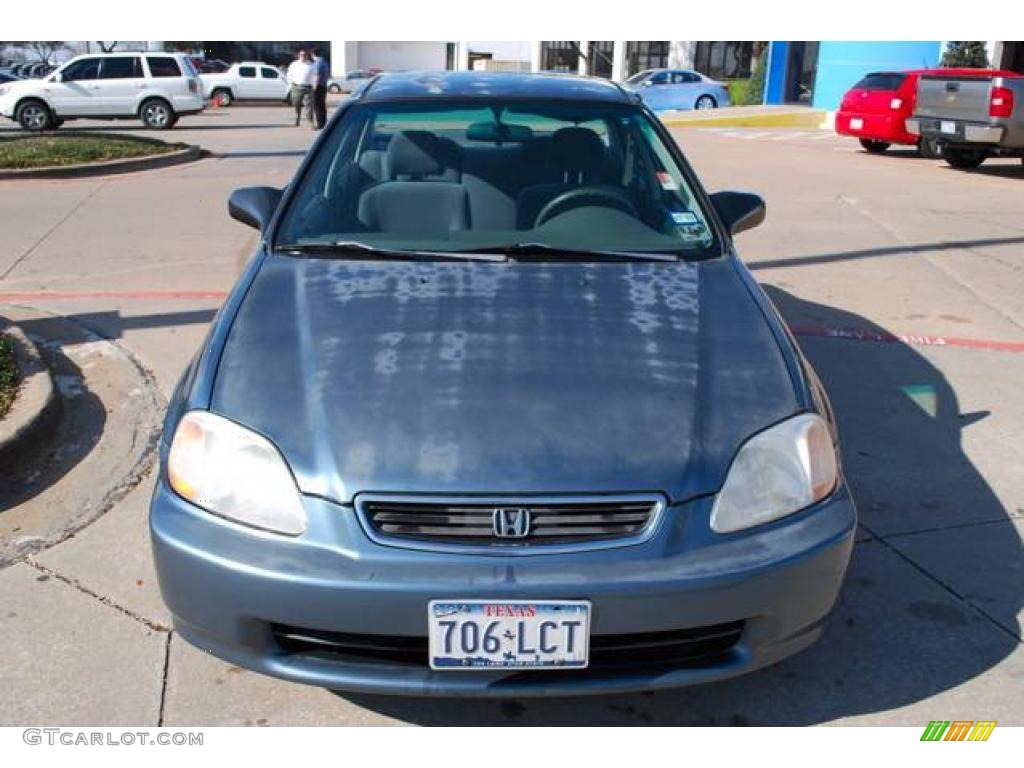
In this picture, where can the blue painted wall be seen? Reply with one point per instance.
(843, 63)
(775, 85)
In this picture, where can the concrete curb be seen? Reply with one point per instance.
(104, 444)
(106, 167)
(804, 118)
(35, 413)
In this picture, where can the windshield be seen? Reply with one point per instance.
(455, 177)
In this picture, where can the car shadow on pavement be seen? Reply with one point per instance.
(1006, 170)
(905, 628)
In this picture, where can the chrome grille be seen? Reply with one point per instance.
(475, 524)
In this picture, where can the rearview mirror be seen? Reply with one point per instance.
(254, 206)
(739, 210)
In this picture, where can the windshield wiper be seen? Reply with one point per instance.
(545, 252)
(353, 249)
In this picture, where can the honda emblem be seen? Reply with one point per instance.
(511, 522)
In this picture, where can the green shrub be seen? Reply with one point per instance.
(738, 91)
(8, 385)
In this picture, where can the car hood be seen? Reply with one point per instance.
(515, 378)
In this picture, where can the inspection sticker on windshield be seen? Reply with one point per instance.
(685, 217)
(666, 180)
(489, 634)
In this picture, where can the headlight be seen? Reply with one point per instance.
(776, 473)
(235, 473)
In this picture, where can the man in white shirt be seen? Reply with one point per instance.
(300, 77)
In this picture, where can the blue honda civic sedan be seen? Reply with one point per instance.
(496, 410)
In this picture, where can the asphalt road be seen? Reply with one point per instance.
(902, 277)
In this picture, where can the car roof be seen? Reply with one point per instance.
(100, 54)
(453, 85)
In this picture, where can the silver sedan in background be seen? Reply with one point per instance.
(664, 90)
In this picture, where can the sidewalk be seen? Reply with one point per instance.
(781, 116)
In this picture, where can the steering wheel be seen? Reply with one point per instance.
(583, 197)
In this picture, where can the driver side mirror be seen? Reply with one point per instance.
(647, 83)
(739, 210)
(254, 206)
(58, 77)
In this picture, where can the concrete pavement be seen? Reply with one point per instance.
(929, 621)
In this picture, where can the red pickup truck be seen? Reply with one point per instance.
(875, 109)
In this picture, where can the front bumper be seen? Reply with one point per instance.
(227, 585)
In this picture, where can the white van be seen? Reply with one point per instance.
(158, 88)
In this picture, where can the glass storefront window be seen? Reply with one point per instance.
(645, 54)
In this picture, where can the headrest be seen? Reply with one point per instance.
(418, 153)
(577, 150)
(372, 163)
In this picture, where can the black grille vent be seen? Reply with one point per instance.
(697, 646)
(474, 524)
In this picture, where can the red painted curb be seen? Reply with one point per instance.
(917, 340)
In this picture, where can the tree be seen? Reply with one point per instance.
(107, 47)
(965, 54)
(43, 49)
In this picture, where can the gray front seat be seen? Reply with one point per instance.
(410, 202)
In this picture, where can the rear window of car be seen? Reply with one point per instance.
(118, 67)
(881, 81)
(269, 72)
(163, 66)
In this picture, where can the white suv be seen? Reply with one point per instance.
(158, 88)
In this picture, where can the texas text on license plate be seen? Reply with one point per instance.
(489, 634)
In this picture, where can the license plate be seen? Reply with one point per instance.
(489, 634)
(856, 123)
(946, 126)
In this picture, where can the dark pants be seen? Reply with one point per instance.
(320, 106)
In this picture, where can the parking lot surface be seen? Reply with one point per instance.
(901, 277)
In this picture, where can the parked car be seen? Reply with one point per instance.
(876, 108)
(678, 89)
(8, 77)
(210, 66)
(497, 397)
(158, 88)
(972, 117)
(351, 82)
(40, 69)
(249, 80)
